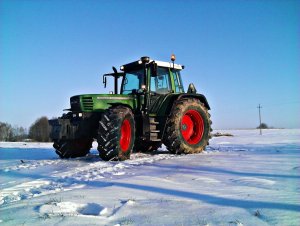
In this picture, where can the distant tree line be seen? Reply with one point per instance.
(38, 131)
(12, 133)
(263, 126)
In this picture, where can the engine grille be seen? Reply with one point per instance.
(87, 103)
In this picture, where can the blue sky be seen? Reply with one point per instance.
(237, 53)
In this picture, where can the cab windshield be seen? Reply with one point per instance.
(133, 80)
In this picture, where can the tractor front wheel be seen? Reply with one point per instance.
(116, 134)
(188, 127)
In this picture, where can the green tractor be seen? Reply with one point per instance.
(150, 109)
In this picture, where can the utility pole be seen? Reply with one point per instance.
(259, 107)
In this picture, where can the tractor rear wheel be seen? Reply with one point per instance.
(72, 148)
(188, 127)
(116, 134)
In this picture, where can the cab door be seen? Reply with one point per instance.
(160, 86)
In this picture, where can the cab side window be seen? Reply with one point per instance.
(177, 81)
(160, 84)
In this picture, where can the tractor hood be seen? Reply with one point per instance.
(100, 102)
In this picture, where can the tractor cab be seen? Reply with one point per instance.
(156, 77)
(147, 75)
(151, 81)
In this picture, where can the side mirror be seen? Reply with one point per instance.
(104, 81)
(115, 70)
(192, 88)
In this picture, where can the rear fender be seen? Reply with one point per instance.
(200, 97)
(167, 104)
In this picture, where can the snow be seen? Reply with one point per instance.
(247, 179)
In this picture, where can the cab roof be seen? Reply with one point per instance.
(138, 63)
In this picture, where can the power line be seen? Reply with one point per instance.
(259, 107)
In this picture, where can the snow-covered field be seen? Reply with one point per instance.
(247, 179)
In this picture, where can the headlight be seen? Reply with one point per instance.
(79, 115)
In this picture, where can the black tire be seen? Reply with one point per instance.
(116, 134)
(143, 146)
(72, 148)
(188, 127)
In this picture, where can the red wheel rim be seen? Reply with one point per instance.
(125, 135)
(192, 127)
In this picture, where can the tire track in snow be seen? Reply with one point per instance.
(69, 174)
(254, 182)
(32, 164)
(56, 208)
(65, 180)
